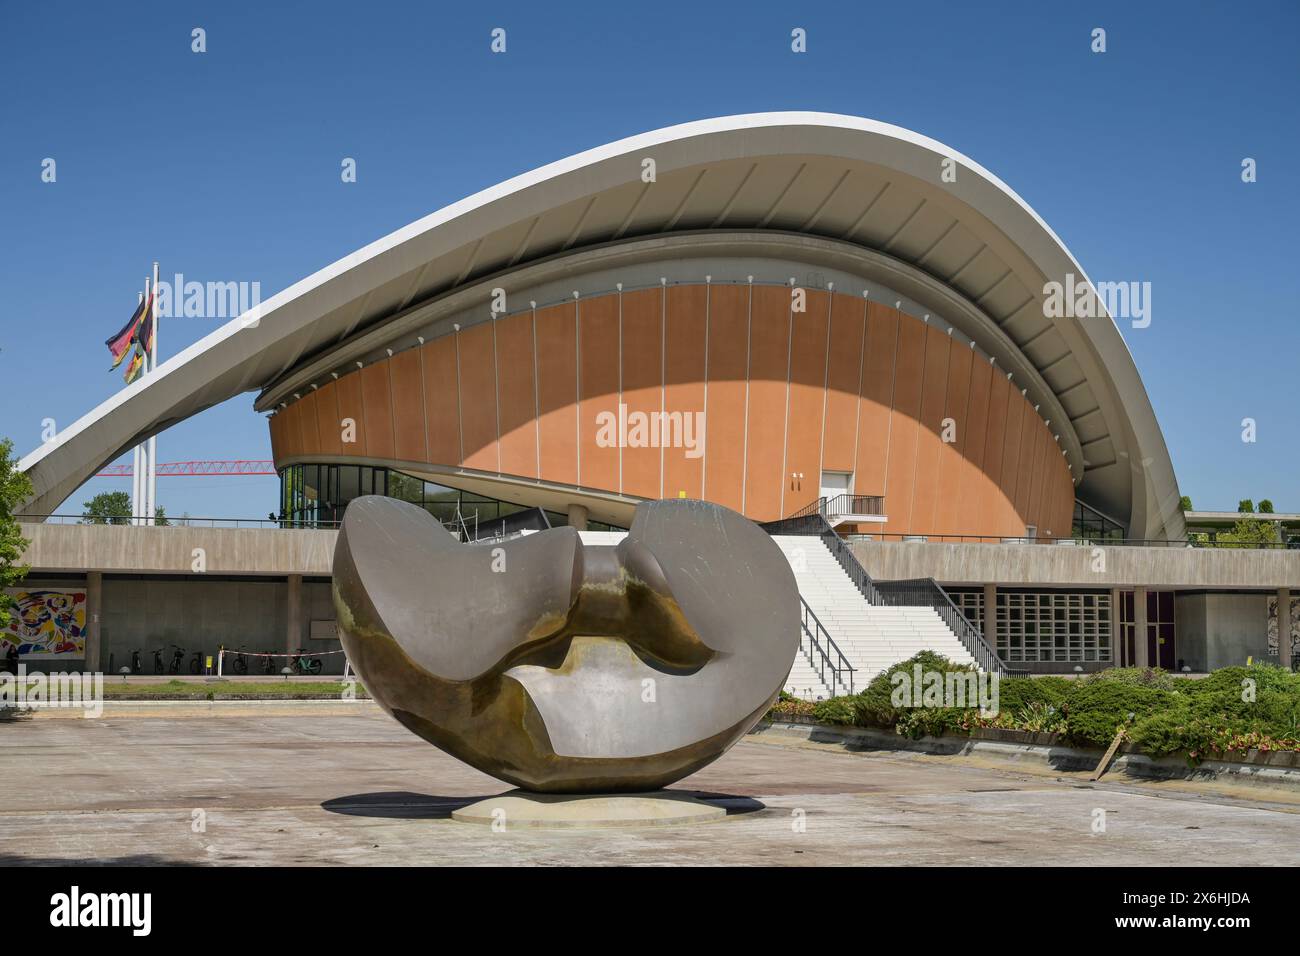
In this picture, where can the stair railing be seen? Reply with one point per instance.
(823, 653)
(925, 592)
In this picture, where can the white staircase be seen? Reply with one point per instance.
(870, 636)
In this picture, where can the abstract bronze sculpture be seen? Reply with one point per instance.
(566, 668)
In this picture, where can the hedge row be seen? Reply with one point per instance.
(1232, 710)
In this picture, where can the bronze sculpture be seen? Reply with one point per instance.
(566, 668)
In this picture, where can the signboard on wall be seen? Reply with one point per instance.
(324, 630)
(46, 624)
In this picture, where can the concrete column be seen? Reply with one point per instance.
(1140, 658)
(94, 611)
(991, 615)
(578, 517)
(293, 627)
(1116, 652)
(1284, 628)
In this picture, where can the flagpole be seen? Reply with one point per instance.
(153, 365)
(137, 462)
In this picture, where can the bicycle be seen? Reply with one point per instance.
(157, 660)
(178, 658)
(238, 661)
(135, 661)
(196, 664)
(268, 664)
(305, 665)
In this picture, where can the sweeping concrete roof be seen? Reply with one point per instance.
(835, 178)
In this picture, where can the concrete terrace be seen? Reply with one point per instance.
(307, 788)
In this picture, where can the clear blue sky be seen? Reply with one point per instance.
(225, 166)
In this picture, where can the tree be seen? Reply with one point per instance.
(160, 517)
(15, 488)
(1265, 506)
(1245, 506)
(108, 507)
(1185, 503)
(1249, 533)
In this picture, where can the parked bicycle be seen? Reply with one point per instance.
(268, 664)
(135, 661)
(178, 658)
(196, 663)
(238, 661)
(305, 665)
(157, 660)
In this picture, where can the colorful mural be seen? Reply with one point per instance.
(46, 624)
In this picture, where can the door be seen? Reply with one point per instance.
(836, 483)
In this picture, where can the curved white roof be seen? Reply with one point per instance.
(845, 178)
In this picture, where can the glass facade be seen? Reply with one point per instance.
(315, 496)
(1092, 525)
(1044, 626)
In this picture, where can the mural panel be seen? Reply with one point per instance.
(46, 624)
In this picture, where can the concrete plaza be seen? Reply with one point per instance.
(329, 785)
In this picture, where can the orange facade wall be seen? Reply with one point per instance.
(781, 395)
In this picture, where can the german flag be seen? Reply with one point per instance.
(119, 345)
(135, 368)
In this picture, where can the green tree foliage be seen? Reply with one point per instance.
(114, 507)
(1185, 503)
(108, 507)
(15, 488)
(1265, 506)
(1245, 506)
(1249, 533)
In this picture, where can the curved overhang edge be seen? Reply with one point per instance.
(223, 362)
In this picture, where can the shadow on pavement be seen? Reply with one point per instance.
(403, 805)
(397, 804)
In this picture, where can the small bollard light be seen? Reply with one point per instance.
(1187, 668)
(124, 671)
(1078, 668)
(286, 671)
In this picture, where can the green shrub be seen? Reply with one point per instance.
(1038, 717)
(917, 722)
(837, 710)
(875, 705)
(1135, 676)
(1017, 693)
(1097, 709)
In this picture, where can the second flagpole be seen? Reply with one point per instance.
(153, 365)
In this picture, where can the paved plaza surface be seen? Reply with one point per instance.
(333, 788)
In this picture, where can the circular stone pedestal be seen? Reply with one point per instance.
(519, 809)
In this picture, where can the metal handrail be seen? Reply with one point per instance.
(1076, 540)
(926, 592)
(823, 653)
(844, 504)
(185, 521)
(847, 560)
(816, 507)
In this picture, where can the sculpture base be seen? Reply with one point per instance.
(520, 810)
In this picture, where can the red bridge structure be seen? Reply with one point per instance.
(192, 469)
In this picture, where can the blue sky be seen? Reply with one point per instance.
(225, 166)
